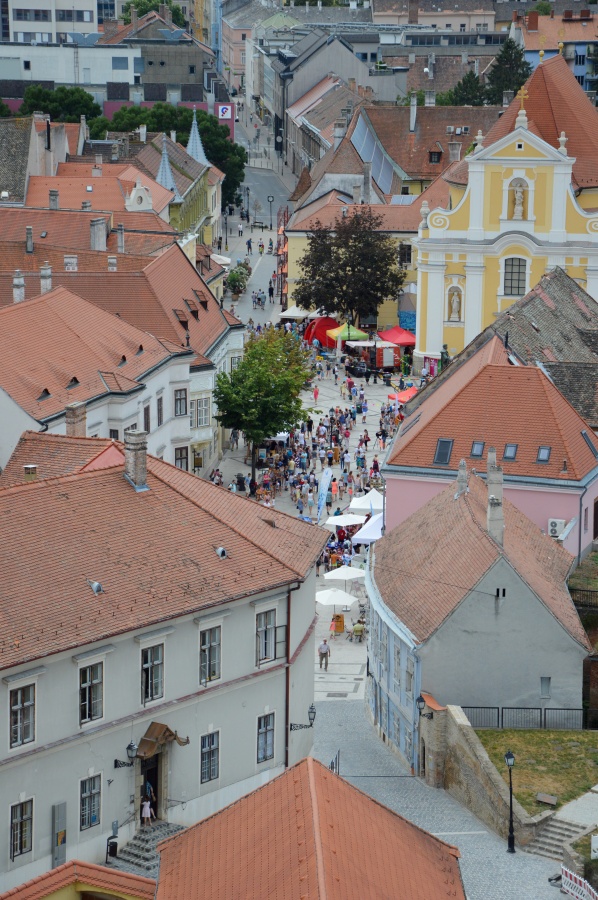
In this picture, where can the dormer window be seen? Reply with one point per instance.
(543, 454)
(510, 451)
(477, 449)
(435, 156)
(44, 395)
(74, 382)
(122, 362)
(140, 350)
(444, 448)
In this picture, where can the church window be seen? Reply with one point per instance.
(515, 272)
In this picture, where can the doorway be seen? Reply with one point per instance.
(422, 759)
(595, 523)
(150, 782)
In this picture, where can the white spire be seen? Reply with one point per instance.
(194, 145)
(165, 176)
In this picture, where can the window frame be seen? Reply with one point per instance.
(441, 462)
(181, 404)
(88, 687)
(211, 660)
(545, 687)
(147, 673)
(160, 411)
(510, 457)
(479, 455)
(547, 459)
(210, 756)
(512, 278)
(181, 454)
(265, 737)
(270, 638)
(86, 801)
(147, 419)
(19, 822)
(20, 709)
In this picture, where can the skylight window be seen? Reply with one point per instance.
(510, 451)
(444, 448)
(543, 454)
(477, 449)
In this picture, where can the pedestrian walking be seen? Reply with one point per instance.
(146, 809)
(249, 246)
(316, 393)
(324, 654)
(219, 244)
(364, 411)
(240, 226)
(271, 293)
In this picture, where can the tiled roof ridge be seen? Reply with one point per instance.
(74, 870)
(50, 480)
(481, 528)
(154, 463)
(317, 828)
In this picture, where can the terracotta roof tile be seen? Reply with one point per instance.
(476, 404)
(108, 192)
(423, 589)
(86, 515)
(185, 169)
(83, 876)
(58, 349)
(331, 840)
(53, 454)
(13, 255)
(551, 31)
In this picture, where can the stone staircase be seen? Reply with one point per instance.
(556, 833)
(139, 855)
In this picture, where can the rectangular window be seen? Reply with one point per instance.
(22, 715)
(113, 434)
(235, 362)
(477, 449)
(91, 795)
(180, 402)
(203, 411)
(404, 254)
(397, 669)
(444, 448)
(181, 458)
(409, 677)
(543, 454)
(243, 59)
(510, 451)
(434, 156)
(585, 519)
(21, 828)
(515, 270)
(580, 59)
(146, 419)
(210, 753)
(160, 410)
(91, 693)
(265, 737)
(120, 62)
(545, 688)
(265, 623)
(191, 70)
(152, 673)
(209, 655)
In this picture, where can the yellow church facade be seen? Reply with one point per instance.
(517, 209)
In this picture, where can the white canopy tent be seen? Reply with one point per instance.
(370, 532)
(372, 502)
(380, 344)
(293, 312)
(343, 520)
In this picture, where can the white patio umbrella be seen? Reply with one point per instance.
(344, 573)
(370, 532)
(373, 501)
(334, 596)
(345, 519)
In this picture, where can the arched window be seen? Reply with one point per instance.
(515, 277)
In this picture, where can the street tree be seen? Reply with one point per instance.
(467, 92)
(145, 6)
(509, 72)
(63, 104)
(262, 396)
(350, 268)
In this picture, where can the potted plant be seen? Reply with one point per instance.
(236, 281)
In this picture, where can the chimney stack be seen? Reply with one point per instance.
(76, 420)
(413, 112)
(98, 234)
(18, 287)
(367, 182)
(54, 200)
(413, 12)
(454, 148)
(507, 97)
(29, 238)
(45, 278)
(357, 194)
(133, 11)
(430, 98)
(173, 137)
(461, 479)
(495, 521)
(120, 238)
(143, 133)
(136, 459)
(532, 20)
(86, 205)
(339, 132)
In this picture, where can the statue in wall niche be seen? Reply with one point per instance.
(518, 211)
(455, 305)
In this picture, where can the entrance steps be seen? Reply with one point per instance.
(556, 833)
(139, 855)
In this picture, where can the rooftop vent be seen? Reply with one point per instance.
(221, 553)
(95, 586)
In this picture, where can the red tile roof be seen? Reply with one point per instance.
(329, 840)
(556, 102)
(476, 404)
(108, 192)
(185, 169)
(53, 454)
(71, 130)
(13, 255)
(422, 589)
(83, 876)
(551, 31)
(87, 516)
(58, 349)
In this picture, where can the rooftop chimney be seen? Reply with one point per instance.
(76, 420)
(18, 287)
(45, 278)
(413, 12)
(495, 521)
(143, 133)
(367, 182)
(357, 194)
(29, 238)
(430, 98)
(352, 82)
(54, 200)
(99, 159)
(173, 137)
(339, 132)
(413, 112)
(133, 11)
(532, 20)
(96, 171)
(507, 97)
(136, 459)
(98, 234)
(86, 205)
(454, 148)
(120, 236)
(30, 472)
(461, 479)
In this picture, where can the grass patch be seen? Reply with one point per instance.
(585, 577)
(584, 847)
(563, 763)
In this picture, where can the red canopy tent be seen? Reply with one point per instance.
(398, 336)
(318, 328)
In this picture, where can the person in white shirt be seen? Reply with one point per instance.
(324, 654)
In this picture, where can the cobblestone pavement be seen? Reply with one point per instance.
(489, 872)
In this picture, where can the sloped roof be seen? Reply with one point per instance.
(333, 841)
(185, 169)
(422, 589)
(55, 349)
(135, 31)
(107, 193)
(86, 516)
(15, 138)
(476, 404)
(14, 255)
(551, 31)
(428, 6)
(82, 875)
(53, 454)
(555, 103)
(578, 382)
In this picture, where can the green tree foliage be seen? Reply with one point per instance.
(467, 92)
(229, 157)
(262, 396)
(4, 110)
(64, 104)
(145, 6)
(543, 8)
(349, 269)
(406, 101)
(509, 72)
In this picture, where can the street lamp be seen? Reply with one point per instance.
(247, 195)
(270, 201)
(131, 754)
(421, 705)
(311, 715)
(225, 231)
(510, 761)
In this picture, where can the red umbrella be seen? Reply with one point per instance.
(398, 336)
(403, 396)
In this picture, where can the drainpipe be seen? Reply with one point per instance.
(585, 491)
(287, 715)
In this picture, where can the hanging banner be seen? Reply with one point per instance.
(324, 485)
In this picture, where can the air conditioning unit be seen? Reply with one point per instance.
(556, 527)
(450, 129)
